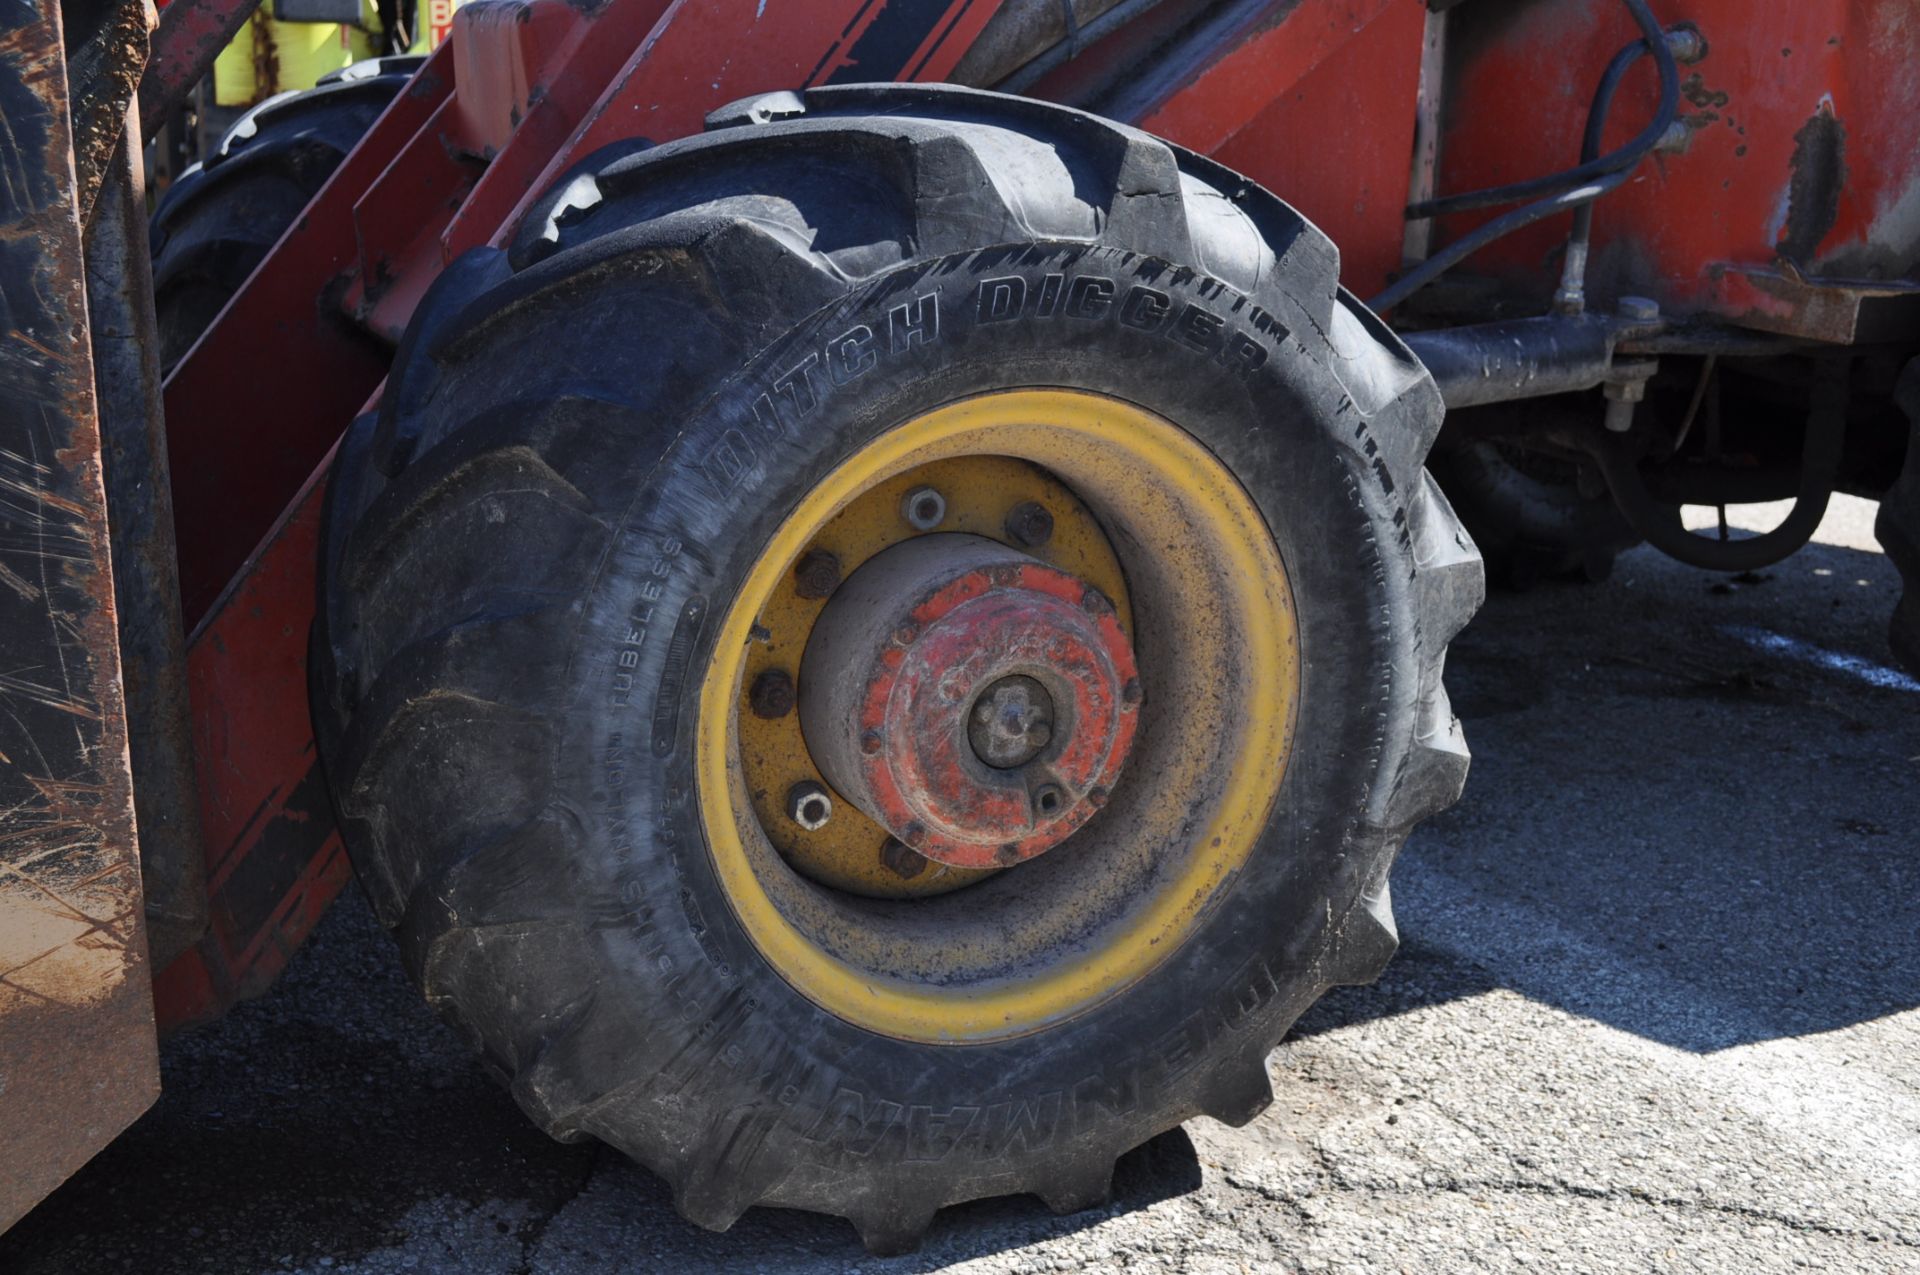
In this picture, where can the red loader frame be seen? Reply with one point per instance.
(1783, 203)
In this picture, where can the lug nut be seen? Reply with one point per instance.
(1029, 524)
(771, 695)
(817, 574)
(809, 805)
(924, 508)
(901, 860)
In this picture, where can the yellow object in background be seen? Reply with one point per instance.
(268, 56)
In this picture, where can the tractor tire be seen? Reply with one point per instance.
(723, 388)
(214, 224)
(1898, 527)
(1526, 511)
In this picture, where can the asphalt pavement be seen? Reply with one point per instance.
(1657, 1008)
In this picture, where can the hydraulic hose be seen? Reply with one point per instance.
(1591, 168)
(1589, 181)
(1465, 246)
(1573, 279)
(1660, 525)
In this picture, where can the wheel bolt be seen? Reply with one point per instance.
(809, 805)
(901, 860)
(1029, 524)
(771, 695)
(924, 508)
(817, 574)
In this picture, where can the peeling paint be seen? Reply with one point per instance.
(1818, 176)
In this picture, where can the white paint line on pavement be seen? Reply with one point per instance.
(1854, 666)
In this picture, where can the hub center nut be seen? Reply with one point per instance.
(972, 700)
(1011, 722)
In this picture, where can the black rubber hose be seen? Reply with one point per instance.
(1590, 169)
(1580, 196)
(1590, 148)
(1660, 525)
(1424, 273)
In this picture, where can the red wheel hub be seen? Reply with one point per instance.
(974, 701)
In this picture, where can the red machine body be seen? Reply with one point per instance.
(1789, 197)
(1789, 201)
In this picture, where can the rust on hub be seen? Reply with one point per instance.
(997, 722)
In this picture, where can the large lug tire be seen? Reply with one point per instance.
(217, 222)
(1898, 527)
(1529, 513)
(538, 553)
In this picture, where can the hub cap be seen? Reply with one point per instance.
(975, 702)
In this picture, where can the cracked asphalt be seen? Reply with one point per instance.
(1654, 1010)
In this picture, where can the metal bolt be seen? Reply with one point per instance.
(1011, 722)
(809, 805)
(902, 860)
(1048, 800)
(1639, 309)
(1029, 524)
(771, 695)
(1675, 139)
(1686, 44)
(923, 508)
(1626, 388)
(817, 574)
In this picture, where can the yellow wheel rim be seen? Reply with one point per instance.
(979, 492)
(1219, 658)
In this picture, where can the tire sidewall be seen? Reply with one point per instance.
(716, 1029)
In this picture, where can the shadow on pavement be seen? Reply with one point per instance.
(1667, 830)
(1670, 829)
(336, 1119)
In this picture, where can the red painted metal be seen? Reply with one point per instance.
(269, 388)
(190, 36)
(903, 676)
(1337, 142)
(274, 860)
(1311, 98)
(1218, 88)
(697, 59)
(505, 73)
(1797, 177)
